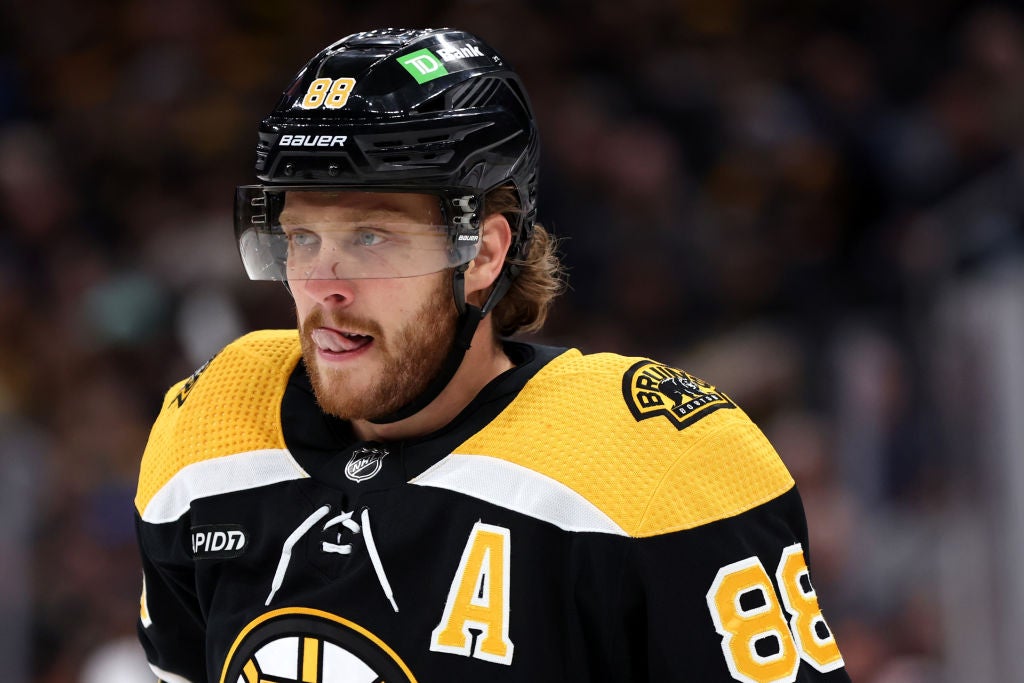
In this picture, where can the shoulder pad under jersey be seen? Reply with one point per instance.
(226, 415)
(646, 448)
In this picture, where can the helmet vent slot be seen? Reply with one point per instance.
(475, 93)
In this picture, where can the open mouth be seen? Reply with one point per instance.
(339, 342)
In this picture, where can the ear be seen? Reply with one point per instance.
(495, 238)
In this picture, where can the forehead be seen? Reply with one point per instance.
(352, 205)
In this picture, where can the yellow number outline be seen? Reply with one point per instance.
(327, 92)
(805, 613)
(742, 628)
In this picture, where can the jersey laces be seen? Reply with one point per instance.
(344, 519)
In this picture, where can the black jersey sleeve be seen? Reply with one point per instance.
(229, 406)
(731, 600)
(701, 571)
(171, 626)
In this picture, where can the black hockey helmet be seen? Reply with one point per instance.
(433, 111)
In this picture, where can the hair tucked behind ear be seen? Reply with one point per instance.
(524, 308)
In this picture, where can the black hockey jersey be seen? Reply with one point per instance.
(585, 518)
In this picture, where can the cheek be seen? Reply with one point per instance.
(303, 305)
(396, 307)
(409, 296)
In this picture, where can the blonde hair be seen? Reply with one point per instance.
(524, 308)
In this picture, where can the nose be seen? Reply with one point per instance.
(326, 289)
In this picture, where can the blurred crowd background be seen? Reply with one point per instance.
(816, 206)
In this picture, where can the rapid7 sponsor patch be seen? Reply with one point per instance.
(218, 541)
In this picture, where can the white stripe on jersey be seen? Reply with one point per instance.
(226, 474)
(518, 488)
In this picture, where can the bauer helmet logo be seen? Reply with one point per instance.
(303, 140)
(651, 389)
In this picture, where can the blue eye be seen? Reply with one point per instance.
(365, 238)
(303, 239)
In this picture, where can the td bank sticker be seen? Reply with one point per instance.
(423, 65)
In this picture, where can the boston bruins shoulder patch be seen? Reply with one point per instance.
(651, 389)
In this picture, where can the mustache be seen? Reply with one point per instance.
(349, 323)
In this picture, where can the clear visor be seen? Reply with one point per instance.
(311, 233)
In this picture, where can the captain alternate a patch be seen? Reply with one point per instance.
(652, 389)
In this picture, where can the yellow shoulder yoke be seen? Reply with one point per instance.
(650, 474)
(231, 405)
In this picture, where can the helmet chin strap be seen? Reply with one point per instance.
(469, 319)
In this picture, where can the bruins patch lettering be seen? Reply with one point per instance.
(651, 389)
(301, 645)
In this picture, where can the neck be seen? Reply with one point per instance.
(484, 361)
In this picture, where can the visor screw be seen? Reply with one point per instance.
(467, 203)
(332, 170)
(289, 169)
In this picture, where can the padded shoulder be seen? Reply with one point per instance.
(653, 448)
(229, 406)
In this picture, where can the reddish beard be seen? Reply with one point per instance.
(408, 358)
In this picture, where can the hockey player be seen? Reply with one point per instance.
(397, 492)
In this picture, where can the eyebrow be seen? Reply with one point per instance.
(368, 215)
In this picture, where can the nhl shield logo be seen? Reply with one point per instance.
(651, 389)
(365, 463)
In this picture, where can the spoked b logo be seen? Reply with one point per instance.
(301, 645)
